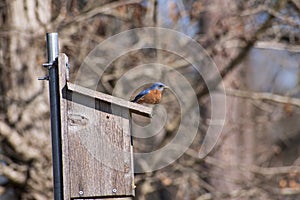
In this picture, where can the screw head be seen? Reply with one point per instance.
(114, 190)
(80, 193)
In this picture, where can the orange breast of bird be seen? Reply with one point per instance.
(153, 97)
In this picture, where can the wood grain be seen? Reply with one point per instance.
(133, 107)
(62, 69)
(96, 141)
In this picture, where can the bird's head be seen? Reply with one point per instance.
(158, 86)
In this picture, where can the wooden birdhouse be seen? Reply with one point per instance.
(97, 156)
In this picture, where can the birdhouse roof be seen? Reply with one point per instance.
(133, 107)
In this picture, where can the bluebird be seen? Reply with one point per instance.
(151, 95)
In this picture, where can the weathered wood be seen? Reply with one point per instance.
(114, 198)
(62, 71)
(99, 159)
(96, 142)
(134, 107)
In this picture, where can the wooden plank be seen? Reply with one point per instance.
(114, 198)
(62, 71)
(128, 168)
(96, 142)
(133, 107)
(99, 149)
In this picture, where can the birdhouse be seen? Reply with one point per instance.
(97, 155)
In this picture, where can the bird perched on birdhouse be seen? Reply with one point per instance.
(151, 95)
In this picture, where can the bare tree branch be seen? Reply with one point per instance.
(269, 171)
(107, 8)
(296, 3)
(18, 142)
(212, 84)
(264, 96)
(16, 174)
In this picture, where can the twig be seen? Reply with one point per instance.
(212, 84)
(16, 176)
(267, 171)
(18, 143)
(278, 46)
(271, 171)
(290, 191)
(296, 3)
(264, 96)
(103, 9)
(285, 19)
(263, 8)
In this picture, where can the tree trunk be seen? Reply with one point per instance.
(24, 110)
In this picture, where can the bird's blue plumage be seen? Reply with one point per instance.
(141, 94)
(155, 87)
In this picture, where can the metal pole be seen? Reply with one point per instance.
(52, 50)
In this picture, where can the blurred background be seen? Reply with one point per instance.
(255, 45)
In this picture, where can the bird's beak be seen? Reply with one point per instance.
(166, 87)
